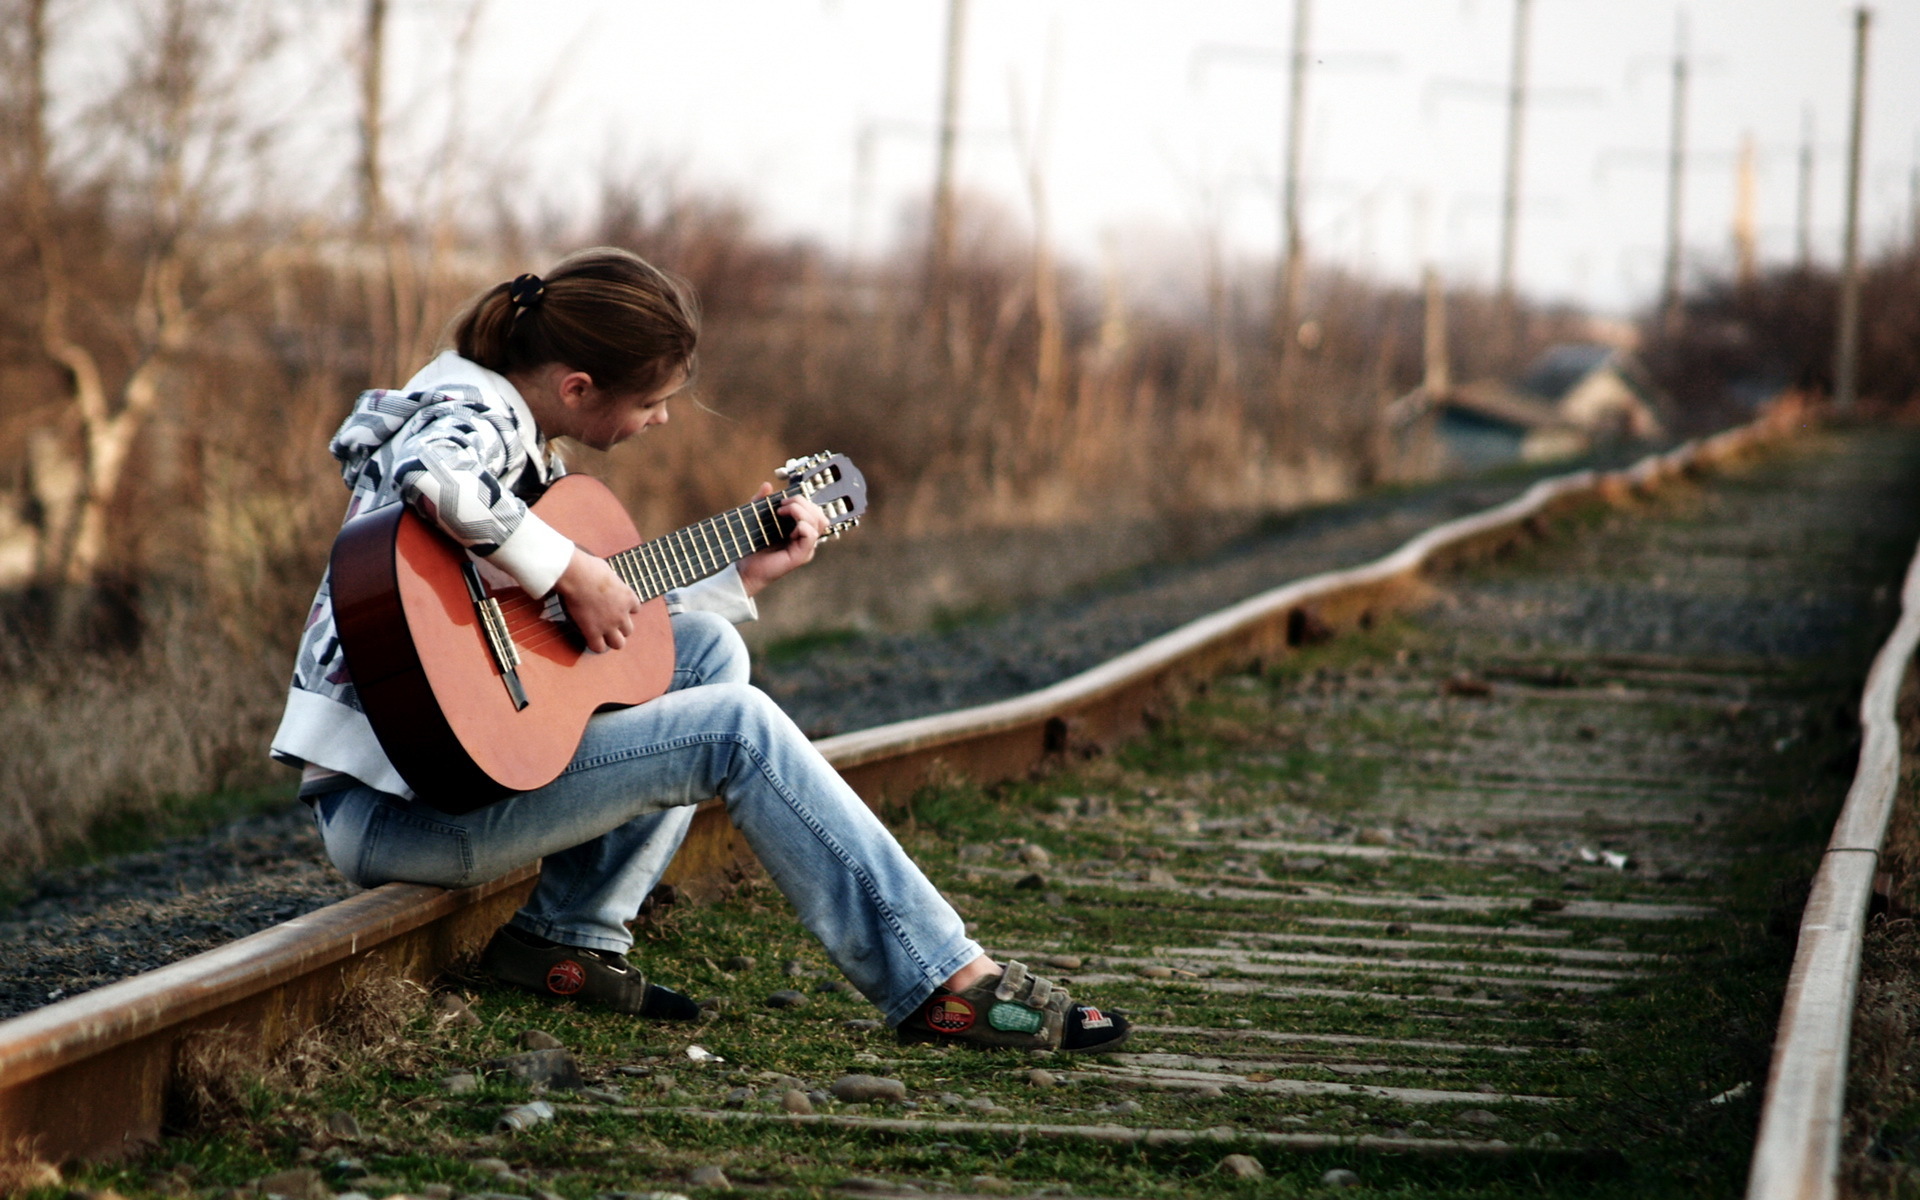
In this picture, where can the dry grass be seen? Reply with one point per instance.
(220, 1075)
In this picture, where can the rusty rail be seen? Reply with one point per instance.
(1797, 1154)
(119, 1045)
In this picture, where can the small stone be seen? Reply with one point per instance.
(1160, 876)
(1064, 962)
(1243, 1166)
(1035, 856)
(1398, 928)
(742, 962)
(436, 1191)
(1305, 864)
(344, 1126)
(860, 1089)
(795, 1101)
(540, 1039)
(862, 1025)
(1125, 1108)
(1210, 1091)
(604, 1095)
(976, 852)
(454, 1010)
(816, 1097)
(1031, 883)
(1041, 1077)
(709, 1176)
(787, 999)
(1295, 1122)
(1340, 1177)
(301, 1183)
(978, 1104)
(460, 1083)
(555, 1068)
(1242, 1023)
(1053, 900)
(793, 968)
(1548, 904)
(1478, 1116)
(1156, 972)
(737, 1098)
(989, 1183)
(834, 987)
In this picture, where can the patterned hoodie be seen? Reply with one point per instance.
(459, 444)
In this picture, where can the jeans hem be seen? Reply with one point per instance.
(960, 956)
(569, 937)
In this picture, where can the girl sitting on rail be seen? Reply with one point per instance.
(595, 351)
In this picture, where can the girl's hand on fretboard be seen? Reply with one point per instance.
(761, 568)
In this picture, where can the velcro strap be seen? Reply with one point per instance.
(1010, 982)
(1038, 991)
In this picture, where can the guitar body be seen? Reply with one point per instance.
(433, 689)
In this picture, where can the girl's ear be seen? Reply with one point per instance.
(575, 389)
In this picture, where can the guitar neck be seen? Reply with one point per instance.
(657, 567)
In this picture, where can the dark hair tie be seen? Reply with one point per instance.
(526, 292)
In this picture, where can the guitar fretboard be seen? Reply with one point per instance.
(697, 551)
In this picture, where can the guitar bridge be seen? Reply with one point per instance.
(493, 625)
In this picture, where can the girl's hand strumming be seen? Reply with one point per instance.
(599, 602)
(761, 568)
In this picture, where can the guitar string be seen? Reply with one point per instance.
(527, 613)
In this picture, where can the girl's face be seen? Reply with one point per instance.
(603, 420)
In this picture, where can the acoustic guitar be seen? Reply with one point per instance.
(476, 689)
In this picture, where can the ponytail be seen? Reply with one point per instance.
(605, 311)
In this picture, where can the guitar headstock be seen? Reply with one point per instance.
(831, 481)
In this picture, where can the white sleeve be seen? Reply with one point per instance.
(536, 555)
(721, 593)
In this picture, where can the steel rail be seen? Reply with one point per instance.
(1797, 1152)
(88, 1077)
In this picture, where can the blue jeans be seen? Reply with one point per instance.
(608, 826)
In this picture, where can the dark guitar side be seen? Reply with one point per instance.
(430, 687)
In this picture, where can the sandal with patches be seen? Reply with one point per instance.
(1018, 1010)
(535, 964)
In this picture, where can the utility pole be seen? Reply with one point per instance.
(1292, 277)
(940, 250)
(1805, 222)
(1846, 353)
(1676, 177)
(1510, 199)
(373, 208)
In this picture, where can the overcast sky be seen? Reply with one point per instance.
(1155, 132)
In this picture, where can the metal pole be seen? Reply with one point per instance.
(1676, 177)
(1846, 353)
(1806, 188)
(1293, 267)
(940, 251)
(1510, 202)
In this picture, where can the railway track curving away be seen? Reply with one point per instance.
(1433, 892)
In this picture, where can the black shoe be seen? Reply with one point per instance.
(1019, 1010)
(526, 960)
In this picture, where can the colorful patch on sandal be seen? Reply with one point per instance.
(566, 977)
(1093, 1018)
(949, 1014)
(1009, 1017)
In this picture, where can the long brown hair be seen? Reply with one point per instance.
(604, 310)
